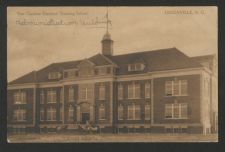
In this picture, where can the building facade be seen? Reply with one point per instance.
(160, 91)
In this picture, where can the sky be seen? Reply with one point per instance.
(39, 36)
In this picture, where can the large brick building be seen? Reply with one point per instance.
(152, 91)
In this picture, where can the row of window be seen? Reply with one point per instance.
(176, 111)
(176, 88)
(172, 88)
(134, 112)
(134, 91)
(172, 111)
(87, 72)
(86, 93)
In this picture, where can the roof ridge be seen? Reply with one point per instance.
(155, 50)
(66, 61)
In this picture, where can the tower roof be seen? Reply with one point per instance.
(107, 36)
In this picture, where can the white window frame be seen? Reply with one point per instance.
(60, 113)
(20, 97)
(71, 113)
(51, 114)
(102, 112)
(20, 115)
(120, 112)
(170, 107)
(102, 70)
(51, 96)
(132, 87)
(71, 94)
(130, 111)
(84, 91)
(120, 92)
(42, 97)
(147, 90)
(132, 108)
(137, 107)
(136, 67)
(61, 95)
(54, 75)
(180, 105)
(147, 112)
(71, 73)
(170, 88)
(86, 71)
(102, 92)
(42, 114)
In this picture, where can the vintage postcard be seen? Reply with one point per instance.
(112, 74)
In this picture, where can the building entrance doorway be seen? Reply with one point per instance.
(85, 118)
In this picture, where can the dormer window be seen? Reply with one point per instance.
(102, 70)
(136, 67)
(54, 75)
(71, 74)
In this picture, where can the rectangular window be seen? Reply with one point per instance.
(130, 112)
(108, 70)
(169, 88)
(120, 112)
(23, 97)
(130, 91)
(176, 88)
(71, 94)
(136, 67)
(51, 96)
(147, 112)
(168, 111)
(70, 113)
(102, 71)
(134, 91)
(86, 93)
(137, 113)
(61, 95)
(120, 92)
(102, 112)
(54, 75)
(176, 111)
(101, 92)
(131, 67)
(20, 97)
(71, 74)
(61, 114)
(42, 97)
(183, 112)
(51, 114)
(134, 112)
(42, 114)
(17, 99)
(86, 71)
(183, 87)
(20, 115)
(137, 91)
(147, 90)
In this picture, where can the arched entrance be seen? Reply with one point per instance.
(86, 112)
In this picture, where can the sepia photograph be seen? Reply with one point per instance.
(112, 74)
